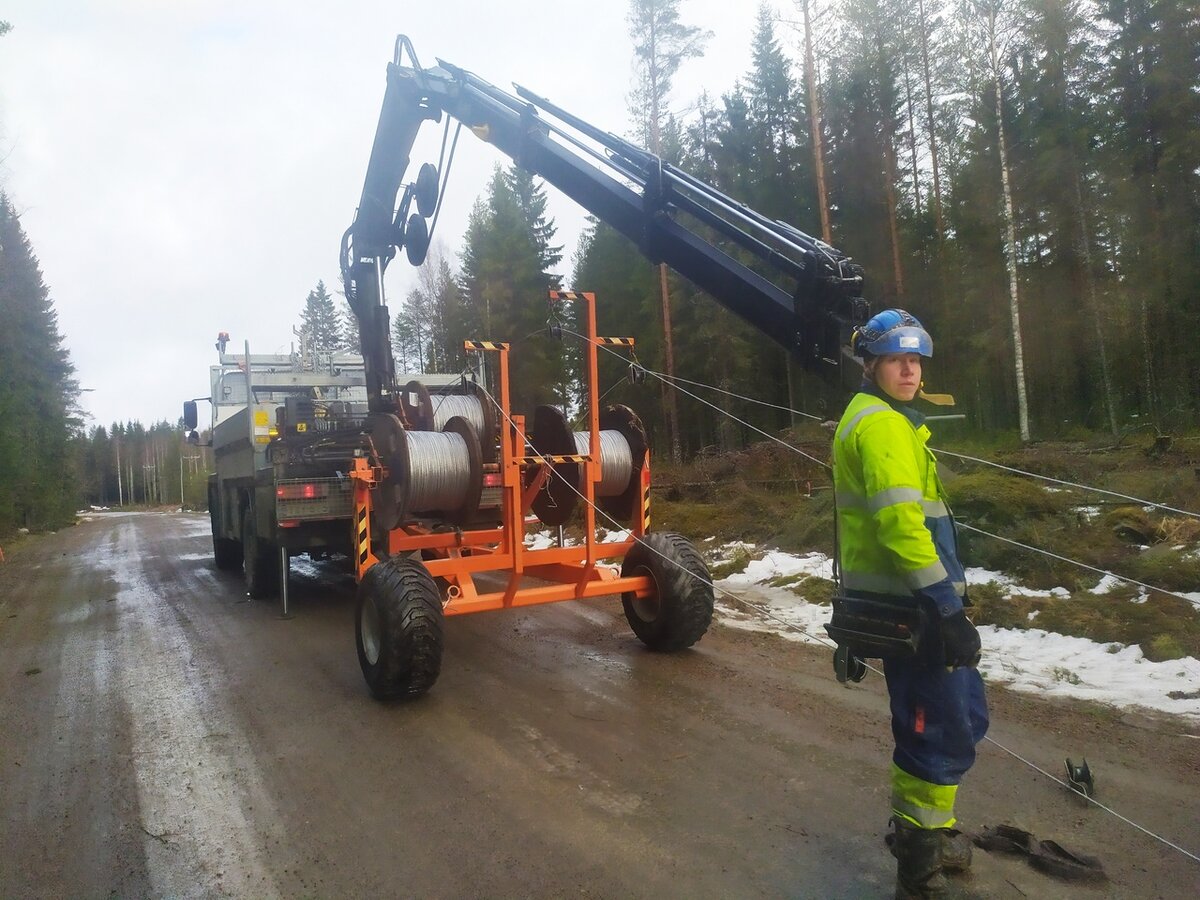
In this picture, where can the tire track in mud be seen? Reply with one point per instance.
(199, 789)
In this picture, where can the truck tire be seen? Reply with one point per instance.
(227, 553)
(681, 609)
(260, 561)
(398, 629)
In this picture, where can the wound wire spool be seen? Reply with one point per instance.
(427, 411)
(439, 471)
(622, 455)
(616, 462)
(429, 473)
(447, 406)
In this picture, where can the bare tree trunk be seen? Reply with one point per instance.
(668, 344)
(814, 126)
(912, 130)
(1085, 250)
(933, 144)
(889, 158)
(1010, 235)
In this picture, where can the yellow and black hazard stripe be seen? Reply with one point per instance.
(615, 342)
(576, 296)
(646, 495)
(363, 537)
(485, 345)
(556, 459)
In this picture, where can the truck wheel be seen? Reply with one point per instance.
(681, 608)
(398, 629)
(260, 563)
(227, 554)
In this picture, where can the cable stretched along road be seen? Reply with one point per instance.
(161, 735)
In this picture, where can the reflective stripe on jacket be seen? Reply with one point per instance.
(895, 533)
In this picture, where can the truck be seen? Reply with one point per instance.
(284, 428)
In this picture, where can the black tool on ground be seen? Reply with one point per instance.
(1046, 856)
(1080, 777)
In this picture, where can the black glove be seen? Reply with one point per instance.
(960, 641)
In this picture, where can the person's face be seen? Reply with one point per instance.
(899, 375)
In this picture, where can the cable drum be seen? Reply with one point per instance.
(616, 460)
(426, 411)
(447, 406)
(622, 456)
(439, 471)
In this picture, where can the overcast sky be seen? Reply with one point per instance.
(188, 167)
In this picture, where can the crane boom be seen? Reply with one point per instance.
(801, 292)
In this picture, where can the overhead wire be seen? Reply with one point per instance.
(940, 450)
(828, 643)
(1076, 562)
(1085, 487)
(667, 379)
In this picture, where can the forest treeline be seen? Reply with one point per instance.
(987, 162)
(979, 158)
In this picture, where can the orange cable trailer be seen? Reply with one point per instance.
(433, 510)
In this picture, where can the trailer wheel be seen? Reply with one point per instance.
(681, 608)
(398, 629)
(260, 563)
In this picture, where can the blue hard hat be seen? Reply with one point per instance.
(891, 331)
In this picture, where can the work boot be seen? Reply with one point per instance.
(918, 853)
(956, 848)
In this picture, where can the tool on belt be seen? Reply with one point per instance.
(870, 629)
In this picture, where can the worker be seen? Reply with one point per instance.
(896, 545)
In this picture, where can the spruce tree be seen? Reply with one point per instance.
(319, 320)
(38, 394)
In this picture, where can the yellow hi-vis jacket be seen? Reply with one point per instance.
(895, 533)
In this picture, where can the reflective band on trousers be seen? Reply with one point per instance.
(922, 803)
(933, 509)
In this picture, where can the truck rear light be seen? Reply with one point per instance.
(492, 479)
(302, 491)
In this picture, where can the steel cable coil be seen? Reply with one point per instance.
(447, 406)
(439, 473)
(616, 460)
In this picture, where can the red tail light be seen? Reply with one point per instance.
(492, 480)
(302, 491)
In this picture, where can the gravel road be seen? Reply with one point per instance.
(161, 735)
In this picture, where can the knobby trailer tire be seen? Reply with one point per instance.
(398, 629)
(681, 609)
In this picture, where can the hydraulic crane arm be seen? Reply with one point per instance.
(801, 292)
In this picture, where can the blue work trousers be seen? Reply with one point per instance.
(938, 717)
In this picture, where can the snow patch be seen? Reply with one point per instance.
(1032, 660)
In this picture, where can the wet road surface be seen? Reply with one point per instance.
(161, 735)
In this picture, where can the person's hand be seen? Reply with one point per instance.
(960, 641)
